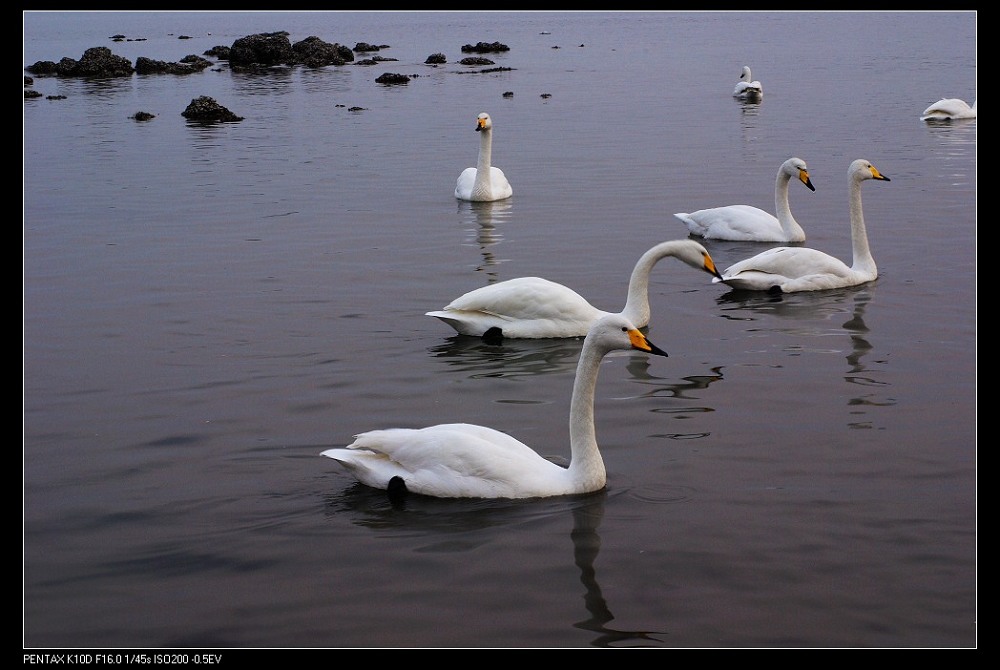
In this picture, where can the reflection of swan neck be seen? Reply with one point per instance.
(863, 261)
(586, 467)
(637, 303)
(789, 226)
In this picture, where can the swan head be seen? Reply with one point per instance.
(796, 168)
(695, 255)
(615, 332)
(862, 169)
(483, 122)
(745, 74)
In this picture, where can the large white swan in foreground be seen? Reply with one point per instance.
(532, 307)
(790, 269)
(747, 88)
(483, 182)
(461, 460)
(751, 224)
(947, 109)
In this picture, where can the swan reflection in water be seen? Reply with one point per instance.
(809, 311)
(481, 220)
(452, 525)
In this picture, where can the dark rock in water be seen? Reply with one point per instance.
(95, 62)
(32, 94)
(221, 52)
(188, 65)
(392, 78)
(314, 52)
(508, 94)
(364, 46)
(476, 60)
(436, 59)
(264, 49)
(205, 108)
(55, 97)
(485, 48)
(28, 81)
(143, 116)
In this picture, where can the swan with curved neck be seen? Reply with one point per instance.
(791, 269)
(532, 307)
(746, 223)
(747, 88)
(460, 460)
(947, 109)
(484, 182)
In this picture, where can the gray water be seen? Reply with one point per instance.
(207, 308)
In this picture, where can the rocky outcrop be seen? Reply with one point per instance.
(314, 52)
(95, 62)
(392, 78)
(205, 108)
(187, 65)
(485, 48)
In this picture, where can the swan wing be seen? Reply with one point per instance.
(522, 307)
(733, 222)
(464, 184)
(501, 187)
(456, 460)
(790, 268)
(948, 108)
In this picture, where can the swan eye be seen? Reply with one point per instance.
(624, 329)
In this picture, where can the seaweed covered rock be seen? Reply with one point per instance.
(485, 48)
(263, 49)
(392, 78)
(314, 52)
(95, 62)
(187, 65)
(205, 108)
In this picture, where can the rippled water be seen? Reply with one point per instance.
(207, 308)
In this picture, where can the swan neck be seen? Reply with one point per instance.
(482, 188)
(637, 302)
(781, 208)
(586, 467)
(863, 260)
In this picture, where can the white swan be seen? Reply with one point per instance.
(483, 182)
(947, 109)
(751, 224)
(460, 460)
(747, 88)
(532, 307)
(789, 269)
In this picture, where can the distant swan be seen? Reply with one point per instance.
(532, 307)
(790, 269)
(461, 460)
(751, 224)
(483, 182)
(947, 109)
(747, 88)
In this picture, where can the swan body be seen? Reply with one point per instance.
(790, 269)
(461, 460)
(747, 88)
(947, 109)
(746, 223)
(484, 182)
(532, 307)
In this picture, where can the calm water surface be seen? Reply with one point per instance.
(207, 308)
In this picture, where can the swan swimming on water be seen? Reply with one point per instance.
(532, 307)
(461, 460)
(752, 224)
(790, 269)
(747, 88)
(483, 182)
(947, 109)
